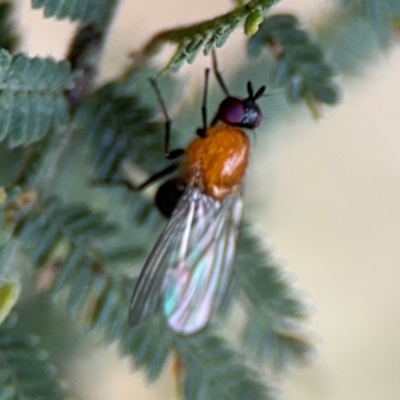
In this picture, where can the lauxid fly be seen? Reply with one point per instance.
(189, 270)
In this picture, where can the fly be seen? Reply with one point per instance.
(189, 270)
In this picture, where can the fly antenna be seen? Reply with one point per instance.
(255, 96)
(274, 94)
(259, 92)
(250, 90)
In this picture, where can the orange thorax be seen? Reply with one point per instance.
(218, 161)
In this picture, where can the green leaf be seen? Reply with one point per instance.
(205, 35)
(382, 16)
(25, 372)
(300, 63)
(91, 292)
(51, 225)
(88, 288)
(149, 344)
(97, 12)
(9, 293)
(213, 371)
(118, 128)
(252, 22)
(31, 98)
(275, 318)
(13, 202)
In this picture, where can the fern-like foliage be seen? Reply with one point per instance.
(97, 12)
(82, 260)
(9, 294)
(31, 99)
(300, 62)
(5, 231)
(8, 35)
(13, 203)
(118, 128)
(50, 225)
(276, 313)
(383, 16)
(83, 279)
(92, 291)
(25, 372)
(205, 35)
(63, 241)
(216, 372)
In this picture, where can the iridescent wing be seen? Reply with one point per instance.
(189, 269)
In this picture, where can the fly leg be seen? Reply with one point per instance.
(169, 154)
(220, 80)
(202, 131)
(218, 74)
(130, 185)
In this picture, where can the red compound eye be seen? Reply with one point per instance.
(242, 113)
(231, 111)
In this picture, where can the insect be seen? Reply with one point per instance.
(189, 270)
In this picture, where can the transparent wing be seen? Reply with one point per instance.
(189, 269)
(147, 292)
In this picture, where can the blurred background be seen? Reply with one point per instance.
(325, 193)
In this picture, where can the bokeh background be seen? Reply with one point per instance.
(326, 193)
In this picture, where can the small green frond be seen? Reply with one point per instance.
(100, 299)
(51, 225)
(149, 344)
(91, 292)
(383, 16)
(98, 12)
(8, 34)
(9, 294)
(205, 35)
(213, 371)
(253, 21)
(25, 372)
(119, 129)
(78, 274)
(65, 242)
(80, 278)
(276, 312)
(13, 203)
(31, 99)
(300, 63)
